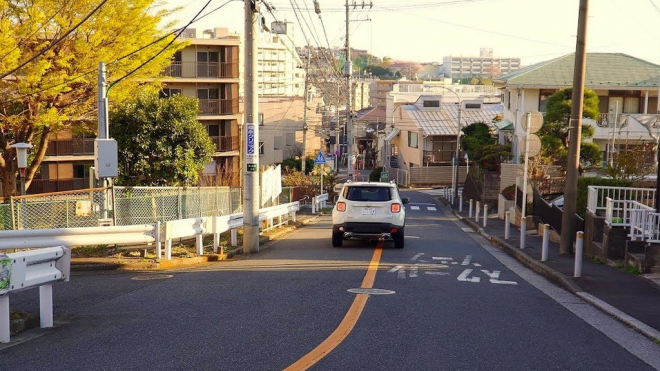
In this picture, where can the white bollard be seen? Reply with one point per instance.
(470, 209)
(544, 245)
(234, 237)
(485, 215)
(199, 243)
(507, 224)
(476, 212)
(314, 205)
(46, 305)
(578, 253)
(460, 203)
(523, 232)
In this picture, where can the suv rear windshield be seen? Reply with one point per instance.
(365, 193)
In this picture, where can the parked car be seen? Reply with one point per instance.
(369, 211)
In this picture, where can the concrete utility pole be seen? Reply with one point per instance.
(575, 128)
(305, 127)
(348, 70)
(251, 177)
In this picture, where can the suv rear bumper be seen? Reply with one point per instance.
(369, 230)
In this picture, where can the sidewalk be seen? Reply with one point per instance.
(632, 299)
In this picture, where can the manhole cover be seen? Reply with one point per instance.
(152, 277)
(371, 291)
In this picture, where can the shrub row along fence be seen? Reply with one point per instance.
(121, 206)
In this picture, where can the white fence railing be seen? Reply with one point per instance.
(643, 220)
(318, 202)
(597, 196)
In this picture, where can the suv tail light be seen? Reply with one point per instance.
(341, 206)
(395, 208)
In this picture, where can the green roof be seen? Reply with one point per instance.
(603, 71)
(504, 125)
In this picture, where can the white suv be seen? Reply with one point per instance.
(369, 211)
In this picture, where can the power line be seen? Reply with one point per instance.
(50, 46)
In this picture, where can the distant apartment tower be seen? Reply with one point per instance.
(208, 69)
(483, 66)
(281, 72)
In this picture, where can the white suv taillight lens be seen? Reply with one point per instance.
(341, 206)
(395, 208)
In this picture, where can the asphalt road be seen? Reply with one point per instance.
(449, 302)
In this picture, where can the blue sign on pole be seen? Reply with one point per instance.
(319, 160)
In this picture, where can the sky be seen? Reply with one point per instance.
(425, 31)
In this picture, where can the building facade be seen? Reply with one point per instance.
(485, 65)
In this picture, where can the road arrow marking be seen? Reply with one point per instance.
(467, 260)
(414, 270)
(417, 256)
(437, 273)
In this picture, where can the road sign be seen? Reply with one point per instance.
(534, 145)
(384, 175)
(319, 160)
(536, 121)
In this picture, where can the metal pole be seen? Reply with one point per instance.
(470, 208)
(458, 146)
(485, 215)
(575, 127)
(460, 203)
(476, 212)
(616, 110)
(251, 177)
(507, 224)
(348, 70)
(304, 138)
(579, 239)
(523, 217)
(544, 245)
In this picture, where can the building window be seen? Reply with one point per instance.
(432, 103)
(169, 92)
(412, 139)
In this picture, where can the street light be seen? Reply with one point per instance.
(21, 157)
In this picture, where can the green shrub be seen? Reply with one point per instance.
(374, 176)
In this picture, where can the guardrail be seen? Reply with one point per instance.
(318, 202)
(597, 196)
(29, 269)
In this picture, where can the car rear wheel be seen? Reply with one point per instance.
(337, 239)
(399, 242)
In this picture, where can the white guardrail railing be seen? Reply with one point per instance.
(318, 202)
(643, 220)
(597, 196)
(52, 260)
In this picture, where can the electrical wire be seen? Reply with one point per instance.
(51, 45)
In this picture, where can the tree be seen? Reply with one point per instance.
(482, 148)
(160, 141)
(554, 132)
(57, 91)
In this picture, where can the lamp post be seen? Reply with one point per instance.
(21, 157)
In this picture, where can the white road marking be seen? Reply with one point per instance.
(441, 258)
(402, 274)
(437, 273)
(421, 203)
(476, 264)
(417, 256)
(467, 260)
(414, 270)
(494, 278)
(414, 207)
(467, 229)
(454, 262)
(411, 237)
(464, 276)
(431, 208)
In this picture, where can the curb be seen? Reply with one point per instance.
(561, 280)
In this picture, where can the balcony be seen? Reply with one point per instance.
(76, 146)
(225, 70)
(225, 144)
(218, 106)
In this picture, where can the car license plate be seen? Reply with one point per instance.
(368, 211)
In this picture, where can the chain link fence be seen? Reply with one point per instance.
(118, 206)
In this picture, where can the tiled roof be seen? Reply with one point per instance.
(443, 122)
(603, 70)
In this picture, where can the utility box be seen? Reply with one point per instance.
(105, 158)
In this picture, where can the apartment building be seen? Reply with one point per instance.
(485, 65)
(281, 72)
(208, 69)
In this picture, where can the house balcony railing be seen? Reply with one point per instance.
(202, 70)
(76, 146)
(224, 144)
(218, 106)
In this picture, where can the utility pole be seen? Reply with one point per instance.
(251, 141)
(575, 126)
(304, 143)
(348, 70)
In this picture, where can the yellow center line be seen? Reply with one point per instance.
(350, 319)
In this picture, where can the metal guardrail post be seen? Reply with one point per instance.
(507, 224)
(579, 240)
(544, 245)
